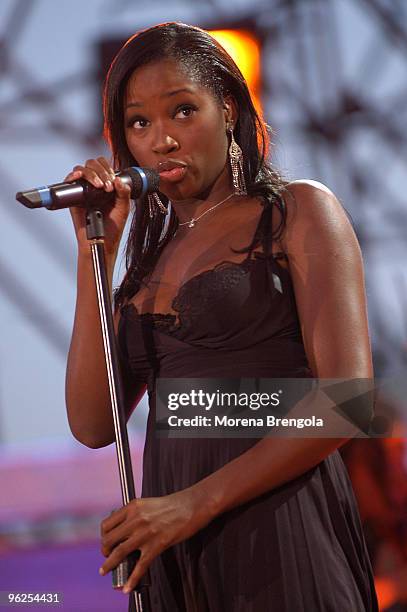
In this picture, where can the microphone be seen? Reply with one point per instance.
(83, 194)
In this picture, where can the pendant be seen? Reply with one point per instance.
(191, 223)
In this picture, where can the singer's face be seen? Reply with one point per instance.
(170, 117)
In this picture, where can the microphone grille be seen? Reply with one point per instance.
(153, 179)
(145, 180)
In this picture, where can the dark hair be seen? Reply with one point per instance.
(211, 65)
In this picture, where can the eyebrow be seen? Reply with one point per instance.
(167, 94)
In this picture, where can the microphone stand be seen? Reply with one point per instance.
(139, 600)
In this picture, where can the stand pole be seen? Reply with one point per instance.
(139, 599)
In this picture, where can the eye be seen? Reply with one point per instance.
(185, 111)
(137, 122)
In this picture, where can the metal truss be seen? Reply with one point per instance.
(333, 89)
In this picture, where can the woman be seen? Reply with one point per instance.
(251, 276)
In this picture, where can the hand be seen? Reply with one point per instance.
(150, 525)
(101, 175)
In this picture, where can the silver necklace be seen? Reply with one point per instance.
(192, 222)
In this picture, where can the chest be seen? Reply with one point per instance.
(196, 255)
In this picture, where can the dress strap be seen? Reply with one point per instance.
(251, 248)
(266, 217)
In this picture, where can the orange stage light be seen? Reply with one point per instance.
(244, 48)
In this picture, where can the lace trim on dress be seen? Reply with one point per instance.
(225, 274)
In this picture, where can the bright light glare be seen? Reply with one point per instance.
(244, 48)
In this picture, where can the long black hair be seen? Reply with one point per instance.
(212, 67)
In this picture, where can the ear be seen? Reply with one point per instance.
(230, 111)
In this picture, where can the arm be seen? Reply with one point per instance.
(86, 385)
(326, 268)
(87, 390)
(327, 273)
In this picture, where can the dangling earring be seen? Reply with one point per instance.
(150, 206)
(236, 165)
(153, 201)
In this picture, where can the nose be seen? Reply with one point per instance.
(163, 143)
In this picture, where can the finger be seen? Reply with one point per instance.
(126, 545)
(115, 536)
(129, 529)
(102, 171)
(108, 168)
(134, 534)
(123, 191)
(73, 176)
(119, 553)
(115, 518)
(93, 178)
(140, 569)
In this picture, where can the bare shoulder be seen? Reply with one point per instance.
(305, 197)
(314, 213)
(308, 185)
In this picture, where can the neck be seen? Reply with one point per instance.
(191, 208)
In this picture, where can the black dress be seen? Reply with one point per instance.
(297, 548)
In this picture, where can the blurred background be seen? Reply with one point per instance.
(331, 79)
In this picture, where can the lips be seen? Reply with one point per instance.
(171, 170)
